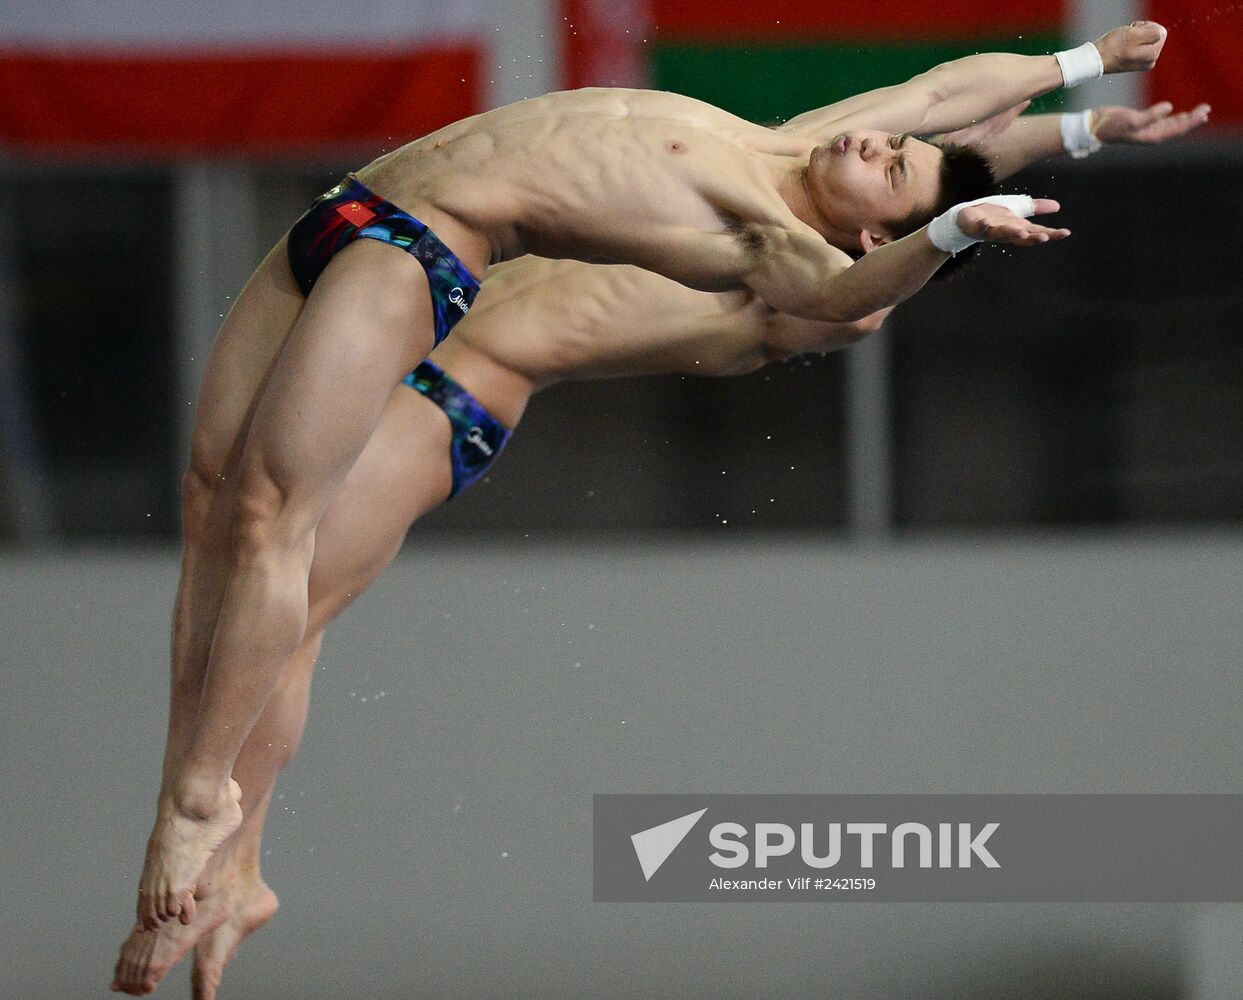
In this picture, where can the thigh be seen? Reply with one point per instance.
(246, 348)
(402, 474)
(367, 322)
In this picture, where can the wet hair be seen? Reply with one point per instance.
(965, 176)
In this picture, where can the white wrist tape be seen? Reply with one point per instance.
(948, 238)
(1080, 64)
(1078, 139)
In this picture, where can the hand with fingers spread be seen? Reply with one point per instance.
(991, 223)
(997, 219)
(1011, 140)
(1114, 124)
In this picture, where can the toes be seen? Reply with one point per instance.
(120, 975)
(186, 907)
(124, 978)
(130, 984)
(152, 909)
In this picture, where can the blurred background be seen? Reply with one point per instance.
(1014, 513)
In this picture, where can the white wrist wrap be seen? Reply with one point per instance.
(1080, 64)
(948, 238)
(1078, 139)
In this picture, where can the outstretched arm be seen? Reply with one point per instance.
(966, 90)
(796, 272)
(1010, 145)
(1027, 140)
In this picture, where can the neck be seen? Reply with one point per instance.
(791, 181)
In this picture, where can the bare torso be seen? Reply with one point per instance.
(597, 174)
(539, 321)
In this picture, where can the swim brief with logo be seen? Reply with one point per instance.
(478, 437)
(351, 211)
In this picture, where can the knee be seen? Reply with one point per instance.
(256, 516)
(265, 522)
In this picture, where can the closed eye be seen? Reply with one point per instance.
(898, 172)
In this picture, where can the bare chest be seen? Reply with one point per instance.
(567, 188)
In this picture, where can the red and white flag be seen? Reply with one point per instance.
(174, 77)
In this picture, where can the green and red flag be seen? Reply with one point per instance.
(769, 61)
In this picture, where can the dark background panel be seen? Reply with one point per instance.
(94, 277)
(758, 451)
(1099, 380)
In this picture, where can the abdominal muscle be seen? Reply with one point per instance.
(537, 322)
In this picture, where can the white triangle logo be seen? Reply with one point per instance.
(653, 846)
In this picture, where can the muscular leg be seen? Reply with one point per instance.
(401, 475)
(239, 367)
(241, 361)
(242, 358)
(367, 322)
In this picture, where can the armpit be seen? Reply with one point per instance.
(755, 239)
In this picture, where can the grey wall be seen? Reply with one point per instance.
(507, 671)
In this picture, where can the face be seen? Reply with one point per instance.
(864, 181)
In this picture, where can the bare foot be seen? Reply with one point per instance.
(215, 950)
(180, 845)
(148, 956)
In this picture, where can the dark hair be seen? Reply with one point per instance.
(965, 176)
